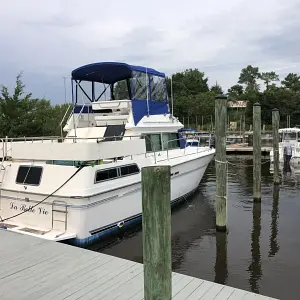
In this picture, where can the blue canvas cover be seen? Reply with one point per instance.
(112, 72)
(109, 72)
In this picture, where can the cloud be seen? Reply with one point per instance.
(47, 40)
(284, 43)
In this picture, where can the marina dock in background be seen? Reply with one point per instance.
(34, 268)
(244, 149)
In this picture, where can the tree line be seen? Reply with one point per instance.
(194, 98)
(21, 114)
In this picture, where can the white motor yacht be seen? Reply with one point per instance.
(86, 184)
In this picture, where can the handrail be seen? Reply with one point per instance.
(97, 140)
(152, 147)
(77, 120)
(173, 140)
(63, 119)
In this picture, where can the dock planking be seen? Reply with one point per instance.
(32, 268)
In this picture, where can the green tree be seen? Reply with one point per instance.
(235, 91)
(249, 76)
(217, 89)
(269, 77)
(21, 115)
(191, 81)
(291, 81)
(15, 109)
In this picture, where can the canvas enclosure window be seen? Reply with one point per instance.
(140, 83)
(158, 88)
(121, 90)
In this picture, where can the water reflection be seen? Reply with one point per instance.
(289, 172)
(274, 246)
(287, 168)
(221, 269)
(248, 256)
(255, 266)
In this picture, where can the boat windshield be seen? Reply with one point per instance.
(289, 136)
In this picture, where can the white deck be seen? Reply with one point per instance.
(32, 268)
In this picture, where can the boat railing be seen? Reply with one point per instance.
(63, 119)
(174, 140)
(75, 122)
(7, 143)
(57, 139)
(196, 137)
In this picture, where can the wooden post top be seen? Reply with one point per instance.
(221, 97)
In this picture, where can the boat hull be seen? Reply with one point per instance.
(96, 216)
(183, 184)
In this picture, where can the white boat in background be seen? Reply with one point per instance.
(291, 136)
(84, 186)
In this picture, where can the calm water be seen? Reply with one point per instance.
(260, 253)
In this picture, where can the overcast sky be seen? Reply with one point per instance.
(48, 39)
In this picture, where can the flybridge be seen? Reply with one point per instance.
(144, 87)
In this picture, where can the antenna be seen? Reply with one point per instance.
(147, 91)
(172, 98)
(64, 77)
(74, 104)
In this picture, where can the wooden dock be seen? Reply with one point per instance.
(239, 149)
(32, 268)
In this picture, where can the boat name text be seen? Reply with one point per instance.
(28, 208)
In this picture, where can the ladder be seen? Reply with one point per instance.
(61, 208)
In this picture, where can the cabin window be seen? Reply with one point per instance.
(291, 136)
(103, 175)
(162, 141)
(129, 170)
(140, 83)
(30, 175)
(153, 142)
(170, 140)
(106, 174)
(158, 88)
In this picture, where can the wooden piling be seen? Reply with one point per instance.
(244, 128)
(275, 127)
(256, 152)
(221, 162)
(156, 232)
(241, 140)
